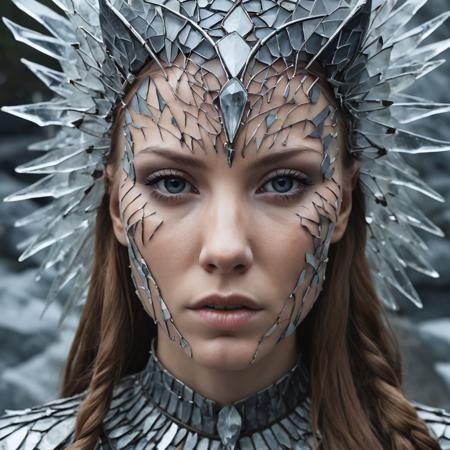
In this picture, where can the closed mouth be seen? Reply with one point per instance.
(227, 303)
(225, 307)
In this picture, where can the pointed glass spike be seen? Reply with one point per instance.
(80, 160)
(401, 177)
(238, 21)
(61, 140)
(54, 80)
(410, 112)
(39, 215)
(59, 230)
(46, 113)
(401, 16)
(425, 53)
(406, 142)
(55, 185)
(234, 52)
(56, 24)
(55, 157)
(412, 38)
(233, 100)
(229, 423)
(45, 44)
(420, 221)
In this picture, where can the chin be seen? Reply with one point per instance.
(225, 352)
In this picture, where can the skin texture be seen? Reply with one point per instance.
(209, 228)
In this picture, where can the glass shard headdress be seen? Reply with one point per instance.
(368, 52)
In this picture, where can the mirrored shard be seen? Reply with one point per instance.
(234, 52)
(186, 347)
(287, 90)
(233, 99)
(238, 21)
(230, 156)
(314, 93)
(229, 425)
(270, 119)
(161, 101)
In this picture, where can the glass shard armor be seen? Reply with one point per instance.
(153, 409)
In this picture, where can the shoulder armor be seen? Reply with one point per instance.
(51, 426)
(438, 422)
(45, 427)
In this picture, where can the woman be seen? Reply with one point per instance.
(229, 153)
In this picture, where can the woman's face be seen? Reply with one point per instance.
(261, 228)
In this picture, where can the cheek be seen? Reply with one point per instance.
(282, 245)
(318, 220)
(171, 253)
(164, 240)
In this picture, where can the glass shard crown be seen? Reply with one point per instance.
(368, 51)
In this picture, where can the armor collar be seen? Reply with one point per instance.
(272, 417)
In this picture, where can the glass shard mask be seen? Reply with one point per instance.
(285, 110)
(369, 50)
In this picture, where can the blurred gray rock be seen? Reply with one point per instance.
(423, 353)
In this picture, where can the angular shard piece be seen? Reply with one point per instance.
(233, 99)
(229, 425)
(270, 119)
(238, 21)
(234, 52)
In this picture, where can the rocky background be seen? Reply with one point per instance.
(33, 348)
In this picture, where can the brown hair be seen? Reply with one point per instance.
(357, 401)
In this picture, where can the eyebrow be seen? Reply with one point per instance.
(284, 155)
(267, 160)
(179, 158)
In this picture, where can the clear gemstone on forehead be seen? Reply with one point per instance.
(233, 99)
(234, 52)
(238, 21)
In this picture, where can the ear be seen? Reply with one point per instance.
(350, 178)
(114, 206)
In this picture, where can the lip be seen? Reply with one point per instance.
(226, 300)
(226, 319)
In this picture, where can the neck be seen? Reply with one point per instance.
(224, 385)
(285, 401)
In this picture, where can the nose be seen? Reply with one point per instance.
(225, 245)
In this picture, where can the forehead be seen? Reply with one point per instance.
(183, 111)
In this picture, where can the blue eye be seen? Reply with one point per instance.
(287, 182)
(168, 185)
(282, 184)
(174, 185)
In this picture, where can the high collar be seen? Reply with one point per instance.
(284, 402)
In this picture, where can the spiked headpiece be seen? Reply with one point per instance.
(365, 48)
